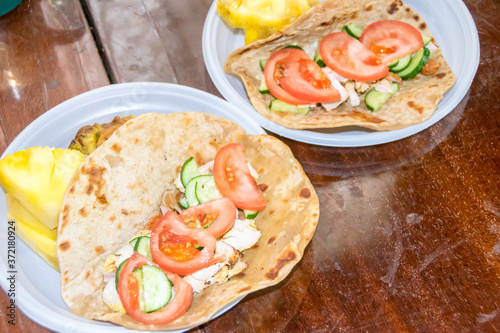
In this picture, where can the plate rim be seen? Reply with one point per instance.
(220, 79)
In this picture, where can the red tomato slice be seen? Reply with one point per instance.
(271, 75)
(128, 290)
(391, 40)
(346, 56)
(233, 179)
(216, 216)
(171, 251)
(298, 75)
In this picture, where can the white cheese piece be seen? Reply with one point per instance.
(328, 71)
(361, 87)
(243, 235)
(384, 86)
(111, 298)
(206, 168)
(337, 85)
(353, 96)
(253, 173)
(311, 49)
(432, 47)
(178, 183)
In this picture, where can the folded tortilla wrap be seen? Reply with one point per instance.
(416, 101)
(122, 184)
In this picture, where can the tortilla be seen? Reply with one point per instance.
(414, 103)
(122, 184)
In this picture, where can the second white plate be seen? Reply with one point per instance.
(37, 285)
(455, 33)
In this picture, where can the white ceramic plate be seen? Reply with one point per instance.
(454, 31)
(37, 284)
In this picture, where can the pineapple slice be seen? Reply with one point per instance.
(34, 233)
(38, 178)
(261, 18)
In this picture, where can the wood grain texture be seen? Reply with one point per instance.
(47, 55)
(409, 232)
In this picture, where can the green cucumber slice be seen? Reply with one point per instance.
(418, 60)
(189, 171)
(354, 30)
(393, 64)
(263, 89)
(250, 214)
(293, 47)
(118, 271)
(426, 39)
(206, 190)
(139, 275)
(262, 63)
(317, 57)
(374, 99)
(183, 203)
(402, 64)
(277, 105)
(142, 246)
(157, 288)
(201, 189)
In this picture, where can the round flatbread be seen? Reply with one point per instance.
(123, 183)
(416, 101)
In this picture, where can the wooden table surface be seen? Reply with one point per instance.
(409, 234)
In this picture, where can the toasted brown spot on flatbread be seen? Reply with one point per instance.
(152, 221)
(416, 18)
(354, 15)
(87, 274)
(136, 140)
(119, 226)
(112, 218)
(64, 246)
(407, 9)
(72, 190)
(422, 26)
(368, 8)
(271, 240)
(82, 212)
(242, 290)
(271, 212)
(285, 258)
(263, 187)
(440, 75)
(95, 179)
(305, 193)
(415, 106)
(240, 275)
(366, 117)
(124, 212)
(99, 249)
(433, 86)
(393, 8)
(116, 147)
(66, 279)
(102, 200)
(64, 216)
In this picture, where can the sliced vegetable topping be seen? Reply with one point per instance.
(131, 291)
(303, 78)
(391, 40)
(216, 216)
(233, 179)
(348, 57)
(173, 246)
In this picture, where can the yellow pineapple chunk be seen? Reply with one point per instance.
(34, 233)
(37, 177)
(261, 18)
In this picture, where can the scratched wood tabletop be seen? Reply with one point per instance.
(409, 234)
